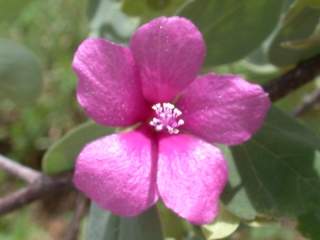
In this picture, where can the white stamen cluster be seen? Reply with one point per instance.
(167, 117)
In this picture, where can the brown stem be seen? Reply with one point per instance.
(302, 74)
(41, 187)
(27, 174)
(80, 211)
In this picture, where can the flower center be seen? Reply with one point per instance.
(167, 117)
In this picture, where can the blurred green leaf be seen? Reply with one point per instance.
(313, 3)
(20, 73)
(296, 29)
(308, 224)
(223, 226)
(294, 9)
(194, 238)
(174, 227)
(307, 43)
(61, 156)
(16, 226)
(10, 10)
(103, 225)
(107, 20)
(269, 174)
(271, 232)
(252, 72)
(148, 9)
(261, 221)
(312, 117)
(233, 28)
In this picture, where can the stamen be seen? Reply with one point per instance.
(167, 117)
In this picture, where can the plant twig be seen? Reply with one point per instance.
(25, 173)
(80, 211)
(302, 74)
(41, 187)
(308, 103)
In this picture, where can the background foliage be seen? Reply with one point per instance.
(273, 192)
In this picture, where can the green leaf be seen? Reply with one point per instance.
(225, 224)
(308, 224)
(61, 156)
(277, 172)
(107, 20)
(173, 226)
(233, 28)
(296, 30)
(103, 225)
(148, 9)
(20, 73)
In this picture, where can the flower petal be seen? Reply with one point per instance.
(223, 108)
(169, 52)
(192, 174)
(118, 172)
(108, 88)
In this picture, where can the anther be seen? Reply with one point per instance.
(167, 117)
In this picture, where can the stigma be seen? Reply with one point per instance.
(167, 118)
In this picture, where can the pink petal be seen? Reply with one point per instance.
(118, 172)
(169, 52)
(108, 88)
(223, 108)
(192, 174)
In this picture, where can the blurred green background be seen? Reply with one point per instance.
(51, 30)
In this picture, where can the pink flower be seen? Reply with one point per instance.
(154, 82)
